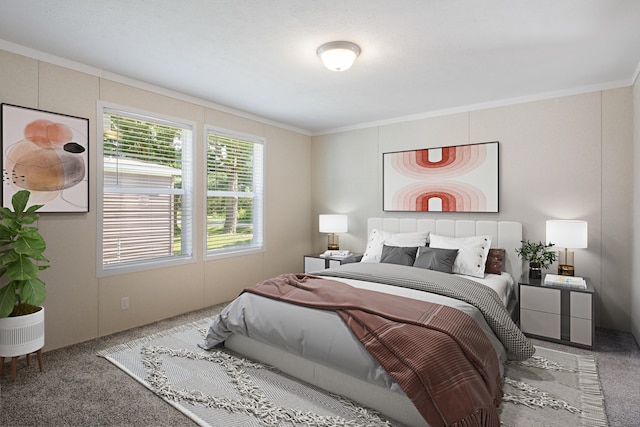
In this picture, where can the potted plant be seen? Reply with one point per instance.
(538, 256)
(22, 292)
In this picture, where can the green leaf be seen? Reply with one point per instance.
(31, 209)
(28, 219)
(22, 269)
(29, 245)
(12, 224)
(6, 212)
(7, 299)
(31, 232)
(19, 201)
(33, 292)
(5, 232)
(9, 257)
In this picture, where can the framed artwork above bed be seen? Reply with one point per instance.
(461, 178)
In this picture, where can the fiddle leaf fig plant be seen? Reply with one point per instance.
(21, 259)
(537, 253)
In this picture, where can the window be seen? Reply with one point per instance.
(235, 165)
(146, 191)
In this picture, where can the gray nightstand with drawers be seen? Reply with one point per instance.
(557, 314)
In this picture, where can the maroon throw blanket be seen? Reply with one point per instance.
(437, 354)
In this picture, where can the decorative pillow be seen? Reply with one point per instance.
(374, 247)
(378, 238)
(472, 252)
(398, 255)
(436, 259)
(494, 262)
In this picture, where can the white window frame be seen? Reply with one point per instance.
(259, 212)
(188, 188)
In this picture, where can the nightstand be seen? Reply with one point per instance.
(315, 262)
(557, 314)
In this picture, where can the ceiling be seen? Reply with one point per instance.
(419, 57)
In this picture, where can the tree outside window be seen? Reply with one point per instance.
(234, 192)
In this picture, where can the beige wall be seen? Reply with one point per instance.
(81, 306)
(563, 158)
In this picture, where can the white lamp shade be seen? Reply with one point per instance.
(338, 56)
(333, 223)
(567, 233)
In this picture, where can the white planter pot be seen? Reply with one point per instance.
(22, 335)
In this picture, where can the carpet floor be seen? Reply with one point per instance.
(80, 388)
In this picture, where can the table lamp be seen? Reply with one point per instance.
(567, 234)
(333, 224)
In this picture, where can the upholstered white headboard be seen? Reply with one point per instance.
(505, 234)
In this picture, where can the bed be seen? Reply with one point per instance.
(312, 343)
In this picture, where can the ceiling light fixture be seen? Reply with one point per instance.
(338, 56)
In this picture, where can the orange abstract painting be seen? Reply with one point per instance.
(47, 154)
(461, 178)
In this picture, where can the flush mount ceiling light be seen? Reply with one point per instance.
(338, 56)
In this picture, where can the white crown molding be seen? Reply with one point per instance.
(482, 106)
(118, 78)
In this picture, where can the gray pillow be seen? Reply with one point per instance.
(398, 255)
(436, 259)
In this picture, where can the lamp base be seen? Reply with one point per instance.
(333, 242)
(566, 270)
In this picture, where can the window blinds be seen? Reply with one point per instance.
(147, 206)
(235, 187)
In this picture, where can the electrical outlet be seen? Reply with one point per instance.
(124, 303)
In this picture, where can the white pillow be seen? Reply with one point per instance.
(377, 239)
(472, 252)
(374, 247)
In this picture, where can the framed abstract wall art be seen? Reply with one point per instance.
(462, 178)
(47, 154)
